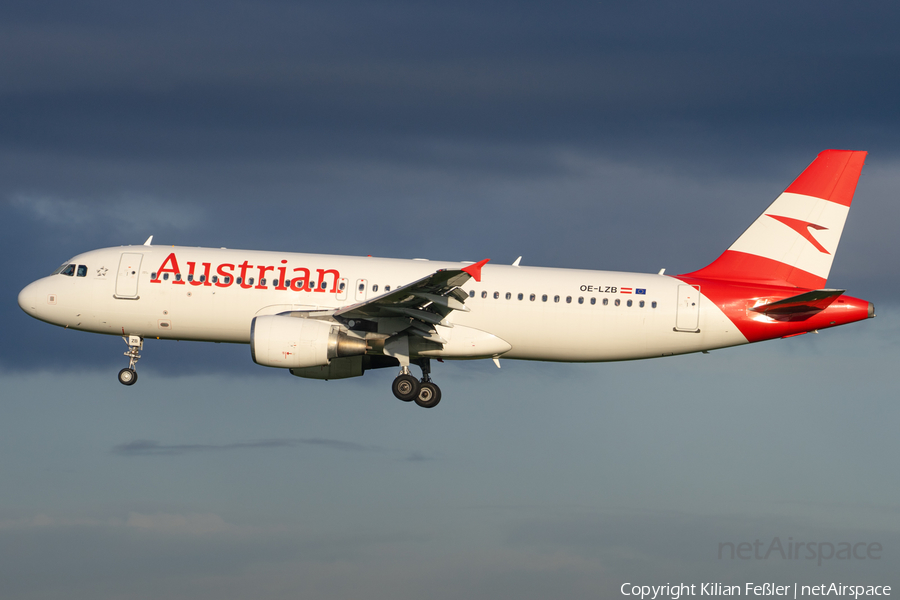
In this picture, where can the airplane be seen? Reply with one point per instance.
(333, 317)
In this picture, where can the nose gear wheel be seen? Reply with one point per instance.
(128, 375)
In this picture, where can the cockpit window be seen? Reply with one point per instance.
(67, 270)
(61, 268)
(82, 271)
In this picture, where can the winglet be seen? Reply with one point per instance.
(475, 269)
(149, 240)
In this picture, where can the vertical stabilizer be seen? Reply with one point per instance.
(793, 242)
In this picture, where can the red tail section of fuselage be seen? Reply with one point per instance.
(737, 301)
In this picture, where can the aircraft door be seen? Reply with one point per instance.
(361, 286)
(687, 311)
(128, 274)
(342, 284)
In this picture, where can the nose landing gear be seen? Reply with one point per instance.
(128, 375)
(407, 388)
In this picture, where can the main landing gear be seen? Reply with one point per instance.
(128, 375)
(407, 388)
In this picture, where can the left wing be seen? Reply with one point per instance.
(427, 302)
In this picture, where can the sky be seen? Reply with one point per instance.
(617, 136)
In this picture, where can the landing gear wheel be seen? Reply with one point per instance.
(127, 376)
(429, 395)
(405, 387)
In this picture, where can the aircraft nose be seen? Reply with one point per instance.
(28, 298)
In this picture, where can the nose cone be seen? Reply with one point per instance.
(28, 298)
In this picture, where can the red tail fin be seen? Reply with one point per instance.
(793, 242)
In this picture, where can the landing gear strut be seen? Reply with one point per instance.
(128, 375)
(425, 393)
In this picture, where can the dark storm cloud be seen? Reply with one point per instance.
(350, 79)
(154, 448)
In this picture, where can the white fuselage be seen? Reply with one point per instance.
(542, 313)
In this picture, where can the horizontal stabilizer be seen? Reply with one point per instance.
(800, 306)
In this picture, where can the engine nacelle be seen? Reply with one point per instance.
(294, 342)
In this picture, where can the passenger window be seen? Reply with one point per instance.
(177, 276)
(343, 285)
(629, 303)
(69, 270)
(618, 302)
(250, 281)
(165, 276)
(641, 304)
(215, 279)
(605, 301)
(544, 298)
(227, 279)
(375, 287)
(653, 304)
(521, 296)
(191, 277)
(532, 297)
(556, 298)
(484, 294)
(496, 295)
(387, 288)
(239, 281)
(362, 287)
(203, 279)
(471, 293)
(508, 296)
(153, 275)
(593, 301)
(324, 285)
(580, 300)
(568, 299)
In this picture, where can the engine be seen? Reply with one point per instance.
(293, 342)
